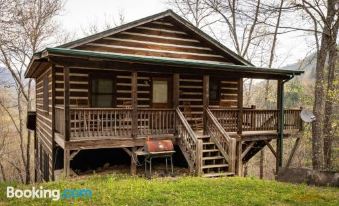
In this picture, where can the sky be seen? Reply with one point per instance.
(79, 14)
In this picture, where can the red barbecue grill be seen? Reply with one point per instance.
(158, 149)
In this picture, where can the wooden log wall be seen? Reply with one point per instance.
(228, 93)
(161, 38)
(44, 123)
(144, 90)
(191, 98)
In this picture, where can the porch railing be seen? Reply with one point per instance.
(227, 118)
(114, 122)
(189, 143)
(117, 122)
(100, 122)
(156, 121)
(260, 120)
(257, 119)
(226, 144)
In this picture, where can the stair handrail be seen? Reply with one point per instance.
(224, 142)
(192, 145)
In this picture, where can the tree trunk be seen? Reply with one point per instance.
(28, 145)
(329, 116)
(317, 156)
(21, 133)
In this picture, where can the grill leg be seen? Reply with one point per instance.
(150, 167)
(166, 165)
(172, 165)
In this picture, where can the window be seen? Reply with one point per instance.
(45, 93)
(102, 92)
(160, 91)
(214, 88)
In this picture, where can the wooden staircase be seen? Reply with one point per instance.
(214, 163)
(207, 155)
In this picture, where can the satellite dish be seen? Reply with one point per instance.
(307, 116)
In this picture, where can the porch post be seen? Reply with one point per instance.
(67, 154)
(133, 161)
(134, 94)
(280, 129)
(66, 104)
(240, 105)
(176, 90)
(239, 169)
(176, 95)
(206, 90)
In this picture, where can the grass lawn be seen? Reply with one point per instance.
(124, 190)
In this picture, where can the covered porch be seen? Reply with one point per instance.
(120, 123)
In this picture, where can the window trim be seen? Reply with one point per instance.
(93, 76)
(169, 93)
(167, 96)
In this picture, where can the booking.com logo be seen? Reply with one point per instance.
(41, 193)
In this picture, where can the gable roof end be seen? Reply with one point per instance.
(151, 18)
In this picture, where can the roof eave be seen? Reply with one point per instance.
(118, 57)
(31, 65)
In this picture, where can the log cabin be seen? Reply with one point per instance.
(157, 77)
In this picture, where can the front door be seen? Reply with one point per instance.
(161, 93)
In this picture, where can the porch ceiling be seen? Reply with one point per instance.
(244, 71)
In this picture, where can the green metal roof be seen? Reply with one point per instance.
(166, 61)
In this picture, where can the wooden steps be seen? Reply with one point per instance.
(214, 166)
(213, 158)
(213, 162)
(210, 150)
(220, 174)
(203, 137)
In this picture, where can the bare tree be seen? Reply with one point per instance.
(324, 16)
(195, 11)
(31, 27)
(273, 46)
(242, 20)
(109, 23)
